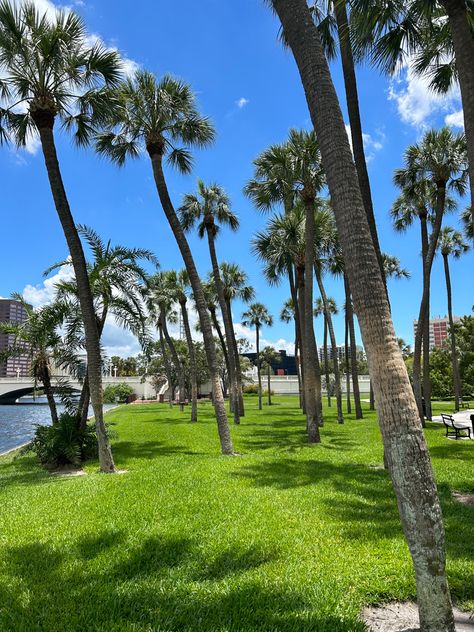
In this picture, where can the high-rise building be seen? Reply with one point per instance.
(439, 329)
(340, 352)
(18, 366)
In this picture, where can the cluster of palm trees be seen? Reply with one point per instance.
(52, 74)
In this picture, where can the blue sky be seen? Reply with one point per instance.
(248, 85)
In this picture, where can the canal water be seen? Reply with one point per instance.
(18, 422)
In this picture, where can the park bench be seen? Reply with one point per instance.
(454, 427)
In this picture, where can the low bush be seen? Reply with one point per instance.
(117, 393)
(63, 443)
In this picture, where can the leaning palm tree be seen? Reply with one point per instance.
(256, 316)
(320, 310)
(210, 208)
(38, 337)
(158, 116)
(51, 73)
(434, 166)
(405, 446)
(288, 314)
(452, 244)
(269, 356)
(118, 283)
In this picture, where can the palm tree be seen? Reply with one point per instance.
(210, 208)
(433, 166)
(288, 314)
(39, 338)
(178, 283)
(157, 116)
(269, 357)
(235, 284)
(452, 244)
(53, 73)
(407, 454)
(438, 39)
(118, 283)
(256, 316)
(320, 310)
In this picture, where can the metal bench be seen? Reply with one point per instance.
(454, 427)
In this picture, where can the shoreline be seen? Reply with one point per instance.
(22, 445)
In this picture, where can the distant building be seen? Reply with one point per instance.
(286, 366)
(439, 329)
(340, 352)
(13, 312)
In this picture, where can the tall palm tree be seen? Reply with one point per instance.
(212, 300)
(118, 282)
(235, 284)
(288, 314)
(52, 73)
(320, 310)
(269, 356)
(407, 454)
(435, 165)
(158, 116)
(210, 208)
(437, 38)
(38, 337)
(178, 283)
(256, 316)
(452, 244)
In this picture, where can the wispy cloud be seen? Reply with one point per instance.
(371, 144)
(242, 102)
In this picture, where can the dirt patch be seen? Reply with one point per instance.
(466, 499)
(403, 617)
(68, 472)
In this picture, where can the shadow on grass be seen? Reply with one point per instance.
(154, 586)
(127, 450)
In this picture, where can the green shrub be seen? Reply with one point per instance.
(250, 389)
(63, 443)
(117, 393)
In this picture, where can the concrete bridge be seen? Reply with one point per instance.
(11, 388)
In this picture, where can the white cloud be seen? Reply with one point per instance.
(117, 341)
(242, 102)
(43, 293)
(455, 119)
(249, 334)
(416, 102)
(371, 144)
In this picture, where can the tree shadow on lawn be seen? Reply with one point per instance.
(125, 451)
(22, 470)
(162, 584)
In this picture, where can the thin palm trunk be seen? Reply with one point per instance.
(424, 306)
(353, 110)
(192, 361)
(220, 335)
(238, 370)
(346, 359)
(371, 397)
(44, 122)
(48, 391)
(294, 296)
(454, 355)
(463, 44)
(167, 364)
(312, 381)
(259, 373)
(426, 326)
(300, 284)
(326, 360)
(156, 156)
(353, 350)
(84, 399)
(176, 361)
(335, 361)
(227, 324)
(407, 454)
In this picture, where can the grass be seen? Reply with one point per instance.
(283, 537)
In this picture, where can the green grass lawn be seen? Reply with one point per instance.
(283, 537)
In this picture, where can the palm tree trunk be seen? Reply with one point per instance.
(84, 399)
(463, 44)
(346, 361)
(156, 157)
(269, 385)
(238, 370)
(371, 397)
(405, 445)
(259, 373)
(44, 122)
(176, 361)
(227, 324)
(294, 296)
(335, 360)
(312, 381)
(167, 364)
(353, 350)
(220, 335)
(426, 327)
(454, 355)
(192, 362)
(352, 102)
(48, 391)
(424, 306)
(300, 284)
(326, 359)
